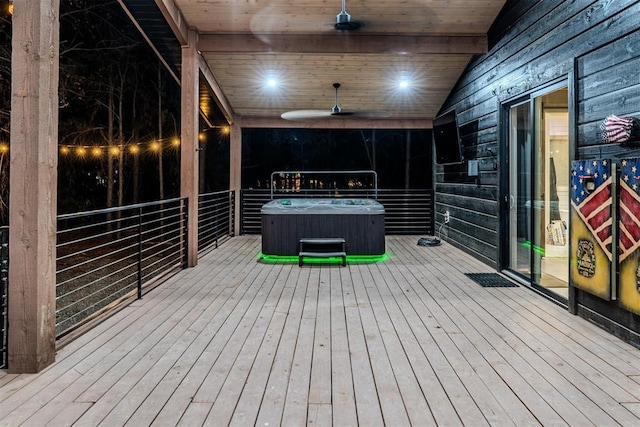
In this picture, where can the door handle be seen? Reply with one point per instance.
(509, 201)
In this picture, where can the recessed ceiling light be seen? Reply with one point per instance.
(272, 82)
(403, 84)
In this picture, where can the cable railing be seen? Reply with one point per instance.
(216, 213)
(407, 211)
(108, 255)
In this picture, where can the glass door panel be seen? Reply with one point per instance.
(520, 152)
(551, 190)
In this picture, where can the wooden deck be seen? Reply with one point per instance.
(406, 341)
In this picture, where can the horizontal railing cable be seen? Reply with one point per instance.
(215, 218)
(106, 255)
(407, 211)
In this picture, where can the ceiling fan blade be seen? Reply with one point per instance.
(335, 111)
(342, 113)
(369, 114)
(305, 114)
(318, 114)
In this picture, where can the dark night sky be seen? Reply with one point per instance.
(268, 150)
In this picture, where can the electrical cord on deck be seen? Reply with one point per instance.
(432, 241)
(428, 241)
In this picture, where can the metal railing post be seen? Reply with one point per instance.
(98, 265)
(232, 198)
(140, 253)
(185, 249)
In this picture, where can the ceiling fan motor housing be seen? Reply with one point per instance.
(344, 22)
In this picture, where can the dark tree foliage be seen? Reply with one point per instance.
(214, 159)
(385, 151)
(108, 97)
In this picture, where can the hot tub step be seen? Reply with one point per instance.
(323, 247)
(323, 241)
(305, 254)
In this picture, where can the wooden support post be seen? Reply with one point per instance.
(235, 169)
(189, 179)
(33, 182)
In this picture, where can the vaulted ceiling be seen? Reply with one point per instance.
(244, 43)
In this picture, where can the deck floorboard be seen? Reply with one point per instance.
(409, 340)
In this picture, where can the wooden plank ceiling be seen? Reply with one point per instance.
(425, 42)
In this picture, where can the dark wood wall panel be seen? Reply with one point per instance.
(472, 245)
(608, 83)
(623, 49)
(618, 77)
(471, 204)
(543, 51)
(533, 39)
(480, 193)
(534, 44)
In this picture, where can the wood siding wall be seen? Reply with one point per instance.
(594, 46)
(534, 44)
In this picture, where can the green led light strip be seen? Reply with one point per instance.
(536, 249)
(333, 260)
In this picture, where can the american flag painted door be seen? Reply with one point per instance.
(592, 231)
(629, 235)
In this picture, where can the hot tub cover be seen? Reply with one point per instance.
(322, 206)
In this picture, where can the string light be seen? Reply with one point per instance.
(4, 148)
(225, 130)
(97, 150)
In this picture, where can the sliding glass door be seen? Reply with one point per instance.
(536, 203)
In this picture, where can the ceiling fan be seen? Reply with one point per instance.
(343, 20)
(335, 111)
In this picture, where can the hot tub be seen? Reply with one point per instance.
(359, 221)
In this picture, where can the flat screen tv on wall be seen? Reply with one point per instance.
(446, 139)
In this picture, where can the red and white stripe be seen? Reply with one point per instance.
(595, 211)
(618, 128)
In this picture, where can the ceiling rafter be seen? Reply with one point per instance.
(220, 98)
(175, 19)
(333, 123)
(265, 58)
(343, 43)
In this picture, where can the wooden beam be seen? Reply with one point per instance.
(337, 123)
(189, 179)
(235, 168)
(175, 19)
(33, 182)
(342, 43)
(221, 100)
